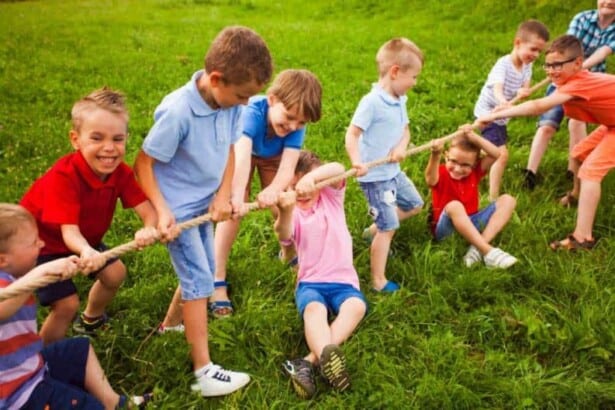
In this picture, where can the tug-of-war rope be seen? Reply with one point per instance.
(27, 284)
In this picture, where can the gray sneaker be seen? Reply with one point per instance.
(333, 367)
(302, 375)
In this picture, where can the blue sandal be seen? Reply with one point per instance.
(390, 287)
(221, 308)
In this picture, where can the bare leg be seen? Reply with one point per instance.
(174, 312)
(588, 204)
(226, 233)
(96, 382)
(539, 146)
(60, 316)
(379, 253)
(350, 315)
(316, 329)
(400, 214)
(504, 207)
(195, 321)
(496, 173)
(578, 131)
(465, 227)
(104, 289)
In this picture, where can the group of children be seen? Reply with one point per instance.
(200, 156)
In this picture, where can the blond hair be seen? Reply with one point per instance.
(532, 28)
(301, 89)
(397, 51)
(240, 55)
(104, 99)
(566, 45)
(12, 217)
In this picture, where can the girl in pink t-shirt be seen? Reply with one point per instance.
(312, 221)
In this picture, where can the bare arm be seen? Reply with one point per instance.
(243, 159)
(308, 182)
(148, 234)
(220, 207)
(283, 222)
(431, 171)
(597, 56)
(144, 170)
(282, 179)
(352, 148)
(398, 153)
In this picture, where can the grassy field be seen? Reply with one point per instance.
(540, 335)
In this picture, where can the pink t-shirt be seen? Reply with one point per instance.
(595, 102)
(323, 242)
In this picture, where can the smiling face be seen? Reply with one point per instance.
(22, 250)
(561, 66)
(283, 121)
(459, 163)
(528, 50)
(101, 139)
(606, 8)
(403, 80)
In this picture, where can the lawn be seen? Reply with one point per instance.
(539, 335)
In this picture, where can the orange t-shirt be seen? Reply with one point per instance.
(595, 97)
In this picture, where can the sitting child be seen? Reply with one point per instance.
(455, 198)
(63, 375)
(327, 279)
(74, 203)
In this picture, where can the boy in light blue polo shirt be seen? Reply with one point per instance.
(379, 128)
(186, 167)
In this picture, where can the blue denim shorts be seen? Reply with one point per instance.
(445, 226)
(554, 116)
(192, 256)
(64, 288)
(63, 386)
(384, 197)
(496, 134)
(332, 295)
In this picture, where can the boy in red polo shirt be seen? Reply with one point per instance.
(74, 202)
(454, 189)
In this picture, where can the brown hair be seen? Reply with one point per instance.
(400, 51)
(307, 161)
(12, 217)
(299, 88)
(532, 27)
(104, 99)
(464, 144)
(240, 55)
(566, 45)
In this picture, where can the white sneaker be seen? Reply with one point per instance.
(164, 329)
(472, 256)
(497, 258)
(218, 382)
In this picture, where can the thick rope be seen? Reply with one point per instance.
(25, 284)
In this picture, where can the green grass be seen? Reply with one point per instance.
(539, 335)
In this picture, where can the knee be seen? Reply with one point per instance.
(503, 154)
(314, 308)
(507, 201)
(66, 307)
(454, 208)
(113, 275)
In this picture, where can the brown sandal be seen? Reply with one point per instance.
(572, 244)
(569, 200)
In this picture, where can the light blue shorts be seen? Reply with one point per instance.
(554, 116)
(384, 197)
(192, 256)
(445, 226)
(332, 295)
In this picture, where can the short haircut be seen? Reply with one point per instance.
(104, 99)
(532, 28)
(240, 55)
(400, 51)
(464, 144)
(307, 161)
(301, 89)
(566, 45)
(12, 217)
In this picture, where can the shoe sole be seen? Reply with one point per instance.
(333, 368)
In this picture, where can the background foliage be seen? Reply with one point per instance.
(539, 335)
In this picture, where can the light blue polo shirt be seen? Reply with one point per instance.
(190, 142)
(255, 127)
(382, 118)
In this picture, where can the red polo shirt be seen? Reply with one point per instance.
(448, 189)
(70, 193)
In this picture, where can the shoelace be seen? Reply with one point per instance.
(219, 373)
